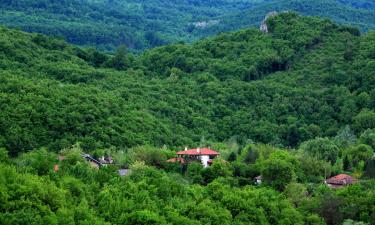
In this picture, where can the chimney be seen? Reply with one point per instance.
(198, 150)
(185, 148)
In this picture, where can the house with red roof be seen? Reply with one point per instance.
(340, 180)
(204, 155)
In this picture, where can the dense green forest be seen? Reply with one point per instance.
(109, 23)
(306, 79)
(106, 24)
(295, 105)
(360, 14)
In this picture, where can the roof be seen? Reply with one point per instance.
(91, 159)
(178, 159)
(198, 151)
(124, 172)
(341, 179)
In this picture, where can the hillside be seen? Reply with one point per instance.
(308, 78)
(360, 14)
(144, 24)
(286, 110)
(108, 23)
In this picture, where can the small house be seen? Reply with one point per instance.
(258, 180)
(340, 181)
(93, 162)
(106, 160)
(203, 155)
(124, 172)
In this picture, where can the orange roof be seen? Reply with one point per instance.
(341, 179)
(198, 151)
(179, 159)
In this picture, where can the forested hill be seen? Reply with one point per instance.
(360, 14)
(106, 24)
(306, 78)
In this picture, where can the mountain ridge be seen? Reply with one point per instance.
(141, 25)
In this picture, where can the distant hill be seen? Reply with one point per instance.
(106, 24)
(109, 23)
(360, 14)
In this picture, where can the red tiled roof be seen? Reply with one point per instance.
(179, 159)
(341, 179)
(198, 151)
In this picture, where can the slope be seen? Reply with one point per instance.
(307, 78)
(360, 14)
(106, 24)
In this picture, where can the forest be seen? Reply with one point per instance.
(354, 13)
(106, 24)
(294, 105)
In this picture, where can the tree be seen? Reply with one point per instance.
(345, 137)
(232, 157)
(4, 158)
(120, 61)
(194, 172)
(322, 148)
(313, 169)
(359, 153)
(351, 222)
(142, 217)
(296, 193)
(329, 208)
(278, 170)
(364, 120)
(40, 162)
(219, 168)
(368, 138)
(363, 100)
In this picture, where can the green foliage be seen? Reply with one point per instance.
(219, 168)
(120, 61)
(359, 153)
(313, 169)
(296, 193)
(368, 138)
(364, 120)
(4, 157)
(55, 95)
(39, 162)
(351, 222)
(28, 199)
(108, 24)
(194, 172)
(149, 23)
(321, 148)
(279, 170)
(251, 94)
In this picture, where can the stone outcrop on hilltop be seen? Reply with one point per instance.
(263, 25)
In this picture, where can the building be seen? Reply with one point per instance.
(258, 180)
(106, 160)
(340, 180)
(93, 162)
(203, 155)
(124, 172)
(177, 159)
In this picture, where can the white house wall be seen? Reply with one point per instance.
(204, 160)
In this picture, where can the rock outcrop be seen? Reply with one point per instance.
(263, 25)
